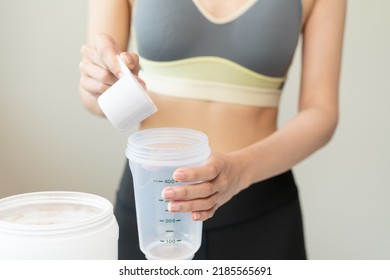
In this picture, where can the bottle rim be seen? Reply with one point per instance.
(168, 146)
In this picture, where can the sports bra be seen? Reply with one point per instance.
(241, 59)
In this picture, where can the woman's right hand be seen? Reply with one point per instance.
(99, 69)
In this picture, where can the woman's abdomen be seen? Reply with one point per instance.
(228, 126)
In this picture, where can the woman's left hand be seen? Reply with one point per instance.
(220, 179)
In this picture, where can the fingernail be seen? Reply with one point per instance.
(172, 207)
(195, 216)
(128, 61)
(167, 194)
(178, 175)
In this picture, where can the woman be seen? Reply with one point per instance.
(219, 67)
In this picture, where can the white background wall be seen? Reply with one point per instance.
(49, 142)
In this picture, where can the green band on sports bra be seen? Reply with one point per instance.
(208, 68)
(211, 79)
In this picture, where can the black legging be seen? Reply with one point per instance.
(262, 222)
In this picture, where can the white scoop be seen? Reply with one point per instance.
(126, 103)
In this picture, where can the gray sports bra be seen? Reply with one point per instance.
(242, 59)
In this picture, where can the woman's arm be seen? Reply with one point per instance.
(317, 119)
(107, 35)
(227, 174)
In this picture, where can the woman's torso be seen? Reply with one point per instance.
(228, 126)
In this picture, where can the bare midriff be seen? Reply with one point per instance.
(228, 126)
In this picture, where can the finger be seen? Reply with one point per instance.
(204, 215)
(93, 86)
(189, 192)
(90, 53)
(203, 204)
(107, 50)
(96, 72)
(143, 84)
(206, 172)
(132, 61)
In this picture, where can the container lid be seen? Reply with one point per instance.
(52, 212)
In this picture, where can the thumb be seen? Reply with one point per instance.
(131, 60)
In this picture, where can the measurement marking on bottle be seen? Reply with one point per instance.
(169, 221)
(169, 230)
(165, 181)
(170, 241)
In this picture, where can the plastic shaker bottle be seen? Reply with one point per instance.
(153, 155)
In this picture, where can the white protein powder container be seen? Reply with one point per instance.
(57, 225)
